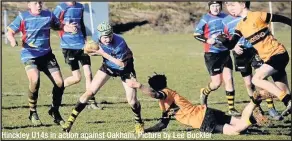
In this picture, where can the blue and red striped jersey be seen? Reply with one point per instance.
(71, 14)
(36, 32)
(211, 26)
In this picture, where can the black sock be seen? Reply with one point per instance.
(76, 111)
(286, 99)
(57, 96)
(137, 112)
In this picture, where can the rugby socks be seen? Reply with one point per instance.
(32, 100)
(270, 103)
(230, 99)
(285, 98)
(75, 112)
(57, 96)
(207, 90)
(137, 112)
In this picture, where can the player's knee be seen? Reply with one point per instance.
(60, 84)
(33, 85)
(255, 80)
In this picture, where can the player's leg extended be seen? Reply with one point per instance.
(33, 75)
(74, 79)
(258, 79)
(281, 81)
(215, 71)
(131, 95)
(230, 92)
(56, 78)
(236, 126)
(88, 78)
(98, 81)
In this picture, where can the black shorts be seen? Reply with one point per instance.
(44, 63)
(215, 62)
(214, 118)
(279, 63)
(244, 62)
(72, 57)
(127, 73)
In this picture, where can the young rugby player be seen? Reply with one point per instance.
(72, 44)
(114, 46)
(197, 116)
(36, 55)
(246, 57)
(254, 28)
(217, 57)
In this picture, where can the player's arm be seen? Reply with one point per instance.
(12, 29)
(162, 124)
(199, 31)
(83, 29)
(230, 43)
(277, 18)
(56, 24)
(147, 90)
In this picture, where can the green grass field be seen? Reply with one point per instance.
(178, 56)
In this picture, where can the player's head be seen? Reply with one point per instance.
(71, 2)
(215, 7)
(236, 8)
(35, 6)
(105, 33)
(158, 82)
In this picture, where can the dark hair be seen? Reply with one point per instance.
(247, 4)
(157, 82)
(214, 2)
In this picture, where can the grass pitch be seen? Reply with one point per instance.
(179, 56)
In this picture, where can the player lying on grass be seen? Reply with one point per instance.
(116, 48)
(37, 56)
(246, 58)
(254, 28)
(197, 116)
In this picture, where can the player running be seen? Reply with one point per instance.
(116, 47)
(36, 55)
(72, 44)
(246, 57)
(254, 27)
(217, 59)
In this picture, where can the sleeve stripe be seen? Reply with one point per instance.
(268, 18)
(204, 21)
(14, 26)
(20, 15)
(60, 7)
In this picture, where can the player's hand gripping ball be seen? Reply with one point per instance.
(221, 39)
(90, 47)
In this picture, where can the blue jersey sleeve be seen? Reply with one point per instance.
(57, 12)
(55, 23)
(16, 24)
(200, 26)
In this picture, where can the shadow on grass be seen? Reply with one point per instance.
(25, 126)
(47, 105)
(237, 102)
